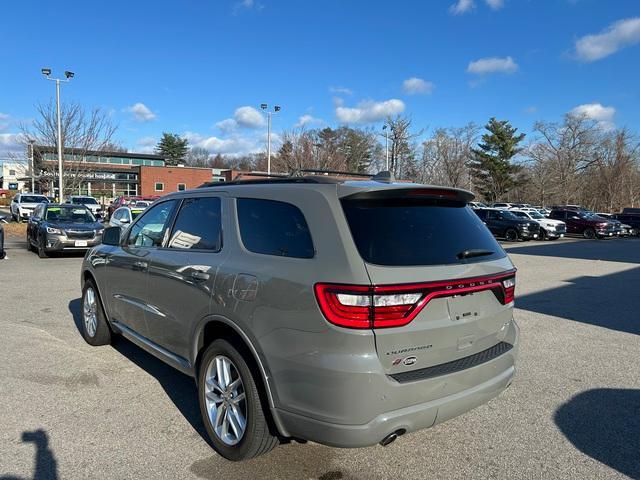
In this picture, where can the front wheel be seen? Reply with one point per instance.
(542, 235)
(230, 404)
(42, 252)
(95, 329)
(589, 234)
(511, 235)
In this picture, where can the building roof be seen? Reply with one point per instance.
(100, 153)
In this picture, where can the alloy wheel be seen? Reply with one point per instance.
(225, 400)
(89, 312)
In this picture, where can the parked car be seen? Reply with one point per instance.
(301, 318)
(477, 205)
(503, 223)
(631, 211)
(62, 227)
(580, 222)
(89, 202)
(501, 205)
(123, 216)
(625, 230)
(23, 204)
(549, 228)
(127, 200)
(633, 220)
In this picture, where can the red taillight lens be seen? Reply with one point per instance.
(385, 306)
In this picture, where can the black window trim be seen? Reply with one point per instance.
(173, 224)
(270, 255)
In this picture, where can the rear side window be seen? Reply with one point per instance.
(274, 228)
(198, 225)
(404, 232)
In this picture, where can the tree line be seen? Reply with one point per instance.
(575, 161)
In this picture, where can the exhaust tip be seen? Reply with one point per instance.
(389, 439)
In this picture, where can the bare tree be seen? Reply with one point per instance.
(402, 160)
(82, 132)
(198, 157)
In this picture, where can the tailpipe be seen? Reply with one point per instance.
(389, 439)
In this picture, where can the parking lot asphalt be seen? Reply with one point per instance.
(71, 411)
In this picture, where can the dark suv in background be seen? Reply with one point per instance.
(587, 224)
(503, 223)
(346, 313)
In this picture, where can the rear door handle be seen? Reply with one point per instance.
(199, 275)
(140, 265)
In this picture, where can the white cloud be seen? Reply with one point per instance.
(227, 125)
(4, 116)
(598, 112)
(305, 120)
(246, 5)
(462, 6)
(531, 109)
(488, 65)
(495, 4)
(11, 143)
(618, 35)
(415, 86)
(369, 111)
(232, 146)
(249, 117)
(146, 144)
(141, 113)
(341, 90)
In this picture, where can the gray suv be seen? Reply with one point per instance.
(346, 313)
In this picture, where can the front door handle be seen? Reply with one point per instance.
(198, 275)
(140, 265)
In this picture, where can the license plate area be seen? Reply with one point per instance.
(81, 243)
(465, 308)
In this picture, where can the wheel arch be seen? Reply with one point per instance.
(212, 328)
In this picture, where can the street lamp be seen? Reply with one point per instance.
(386, 143)
(276, 109)
(68, 76)
(33, 183)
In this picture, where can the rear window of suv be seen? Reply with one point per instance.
(404, 232)
(274, 228)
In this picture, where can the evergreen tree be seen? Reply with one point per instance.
(491, 168)
(173, 148)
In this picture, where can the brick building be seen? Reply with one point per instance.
(161, 180)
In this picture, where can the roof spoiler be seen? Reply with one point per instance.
(415, 192)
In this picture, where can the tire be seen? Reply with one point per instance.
(29, 246)
(589, 233)
(542, 235)
(94, 326)
(256, 438)
(511, 235)
(42, 253)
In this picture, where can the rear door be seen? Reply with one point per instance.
(437, 274)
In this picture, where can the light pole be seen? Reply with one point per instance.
(386, 144)
(68, 76)
(276, 109)
(33, 182)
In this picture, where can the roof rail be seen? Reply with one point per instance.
(332, 172)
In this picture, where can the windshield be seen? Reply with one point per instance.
(507, 214)
(402, 232)
(85, 200)
(33, 199)
(69, 215)
(519, 214)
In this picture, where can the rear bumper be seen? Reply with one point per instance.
(446, 396)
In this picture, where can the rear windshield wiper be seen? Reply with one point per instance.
(474, 253)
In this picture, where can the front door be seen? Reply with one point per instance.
(128, 267)
(183, 271)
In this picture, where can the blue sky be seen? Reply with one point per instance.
(200, 68)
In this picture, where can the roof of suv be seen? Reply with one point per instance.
(344, 187)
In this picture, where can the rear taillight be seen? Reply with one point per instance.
(385, 306)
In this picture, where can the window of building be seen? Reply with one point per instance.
(159, 187)
(150, 229)
(198, 225)
(181, 187)
(274, 228)
(12, 173)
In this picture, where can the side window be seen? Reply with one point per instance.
(198, 225)
(491, 214)
(274, 228)
(119, 214)
(150, 228)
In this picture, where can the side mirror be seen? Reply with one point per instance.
(111, 236)
(124, 220)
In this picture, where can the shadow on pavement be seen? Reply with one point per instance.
(609, 301)
(180, 388)
(625, 250)
(604, 423)
(45, 464)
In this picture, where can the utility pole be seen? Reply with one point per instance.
(68, 76)
(33, 181)
(276, 109)
(386, 144)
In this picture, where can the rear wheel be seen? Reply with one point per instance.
(511, 235)
(589, 233)
(230, 404)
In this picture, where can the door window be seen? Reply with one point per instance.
(198, 225)
(150, 228)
